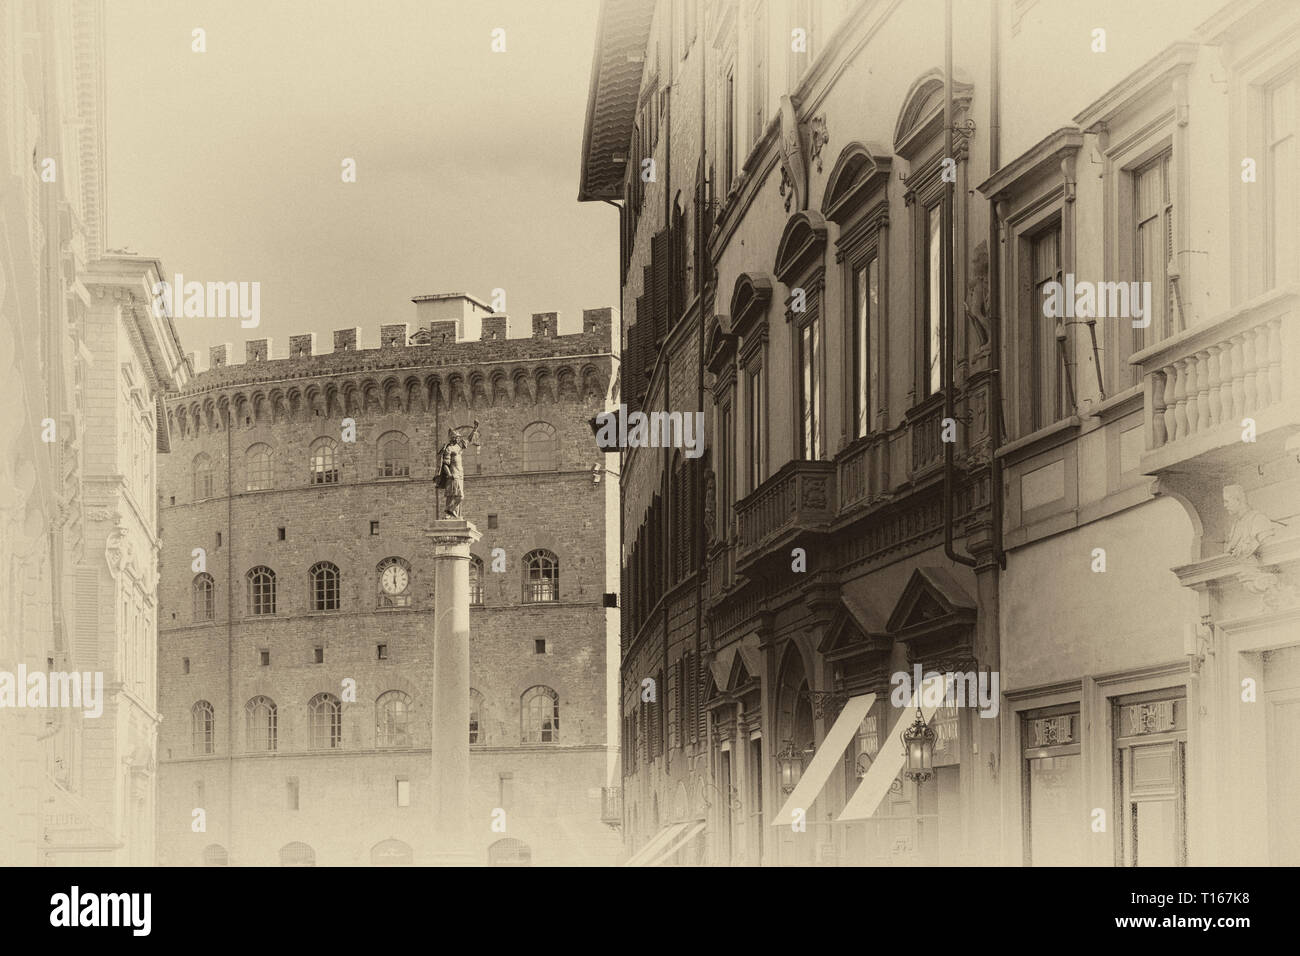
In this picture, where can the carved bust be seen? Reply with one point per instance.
(1250, 528)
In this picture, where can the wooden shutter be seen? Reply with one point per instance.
(661, 259)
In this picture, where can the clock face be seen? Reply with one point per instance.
(395, 579)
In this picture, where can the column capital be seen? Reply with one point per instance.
(452, 537)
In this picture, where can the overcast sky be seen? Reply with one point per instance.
(226, 164)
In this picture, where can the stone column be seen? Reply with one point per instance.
(451, 540)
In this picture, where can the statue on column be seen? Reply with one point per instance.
(451, 471)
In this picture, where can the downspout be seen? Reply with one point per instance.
(946, 312)
(995, 287)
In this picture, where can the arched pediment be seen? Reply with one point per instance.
(749, 299)
(859, 171)
(719, 347)
(921, 117)
(802, 245)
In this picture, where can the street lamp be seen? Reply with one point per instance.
(790, 763)
(918, 748)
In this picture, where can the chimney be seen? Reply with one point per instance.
(302, 346)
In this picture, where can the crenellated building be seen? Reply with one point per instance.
(297, 591)
(948, 323)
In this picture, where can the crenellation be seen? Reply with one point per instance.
(545, 325)
(257, 350)
(302, 346)
(347, 340)
(394, 336)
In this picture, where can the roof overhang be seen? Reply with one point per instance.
(617, 65)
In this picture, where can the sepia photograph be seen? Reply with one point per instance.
(647, 434)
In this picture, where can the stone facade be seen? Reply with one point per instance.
(786, 254)
(536, 484)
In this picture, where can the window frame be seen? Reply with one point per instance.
(394, 466)
(203, 580)
(542, 583)
(325, 449)
(261, 593)
(261, 704)
(326, 586)
(540, 692)
(259, 468)
(203, 711)
(325, 722)
(389, 734)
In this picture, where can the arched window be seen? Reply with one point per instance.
(394, 457)
(541, 577)
(541, 451)
(204, 605)
(260, 723)
(393, 583)
(324, 586)
(204, 481)
(475, 579)
(297, 854)
(202, 726)
(541, 716)
(257, 468)
(214, 854)
(324, 462)
(261, 591)
(510, 852)
(326, 720)
(391, 853)
(477, 727)
(393, 719)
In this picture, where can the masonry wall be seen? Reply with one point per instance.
(551, 792)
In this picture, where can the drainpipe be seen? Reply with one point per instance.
(947, 313)
(230, 632)
(995, 287)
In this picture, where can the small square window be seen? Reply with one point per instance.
(381, 652)
(539, 645)
(291, 792)
(403, 792)
(172, 500)
(374, 527)
(492, 521)
(280, 533)
(185, 665)
(265, 658)
(319, 655)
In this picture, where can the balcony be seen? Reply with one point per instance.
(1200, 385)
(863, 471)
(798, 499)
(611, 806)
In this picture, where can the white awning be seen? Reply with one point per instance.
(824, 760)
(657, 842)
(889, 760)
(682, 839)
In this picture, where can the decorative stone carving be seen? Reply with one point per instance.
(977, 297)
(794, 171)
(818, 137)
(1250, 528)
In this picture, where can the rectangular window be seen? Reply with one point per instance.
(381, 652)
(291, 792)
(505, 790)
(725, 467)
(1282, 205)
(758, 74)
(492, 521)
(866, 344)
(1053, 787)
(185, 665)
(403, 792)
(318, 655)
(934, 298)
(539, 645)
(1153, 220)
(218, 539)
(1047, 381)
(757, 428)
(265, 658)
(280, 533)
(374, 527)
(810, 389)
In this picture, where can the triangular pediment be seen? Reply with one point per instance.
(932, 601)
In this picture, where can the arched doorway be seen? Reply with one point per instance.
(391, 853)
(510, 852)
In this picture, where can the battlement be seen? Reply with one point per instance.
(437, 338)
